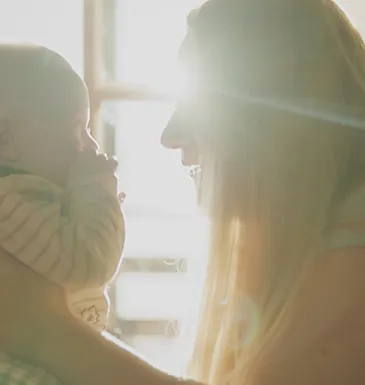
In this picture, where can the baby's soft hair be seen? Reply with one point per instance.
(272, 180)
(36, 82)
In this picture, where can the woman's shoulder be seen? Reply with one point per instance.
(325, 333)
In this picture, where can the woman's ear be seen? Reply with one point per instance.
(8, 151)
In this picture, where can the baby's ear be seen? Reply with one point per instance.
(7, 144)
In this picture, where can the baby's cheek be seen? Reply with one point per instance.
(66, 151)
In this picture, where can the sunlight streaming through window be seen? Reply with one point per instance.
(149, 34)
(56, 24)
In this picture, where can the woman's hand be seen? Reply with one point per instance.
(37, 326)
(28, 304)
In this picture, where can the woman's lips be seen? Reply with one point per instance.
(189, 156)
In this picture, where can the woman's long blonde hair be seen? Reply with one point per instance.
(271, 180)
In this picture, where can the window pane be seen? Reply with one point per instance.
(148, 36)
(355, 10)
(163, 226)
(152, 176)
(53, 23)
(163, 219)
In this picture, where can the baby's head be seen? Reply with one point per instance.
(44, 111)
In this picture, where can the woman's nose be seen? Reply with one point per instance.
(174, 136)
(171, 141)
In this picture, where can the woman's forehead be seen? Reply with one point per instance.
(293, 62)
(193, 118)
(272, 47)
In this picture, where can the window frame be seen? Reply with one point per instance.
(103, 91)
(99, 90)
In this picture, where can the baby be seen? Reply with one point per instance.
(59, 208)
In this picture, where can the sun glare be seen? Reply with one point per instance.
(150, 33)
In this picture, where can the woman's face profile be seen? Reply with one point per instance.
(178, 136)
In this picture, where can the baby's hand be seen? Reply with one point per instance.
(90, 162)
(92, 171)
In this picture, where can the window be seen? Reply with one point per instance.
(53, 23)
(130, 68)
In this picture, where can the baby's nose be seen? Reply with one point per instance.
(89, 142)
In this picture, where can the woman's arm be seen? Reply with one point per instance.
(79, 355)
(37, 326)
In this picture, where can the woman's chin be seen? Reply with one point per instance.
(195, 174)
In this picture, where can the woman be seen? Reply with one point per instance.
(275, 117)
(278, 121)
